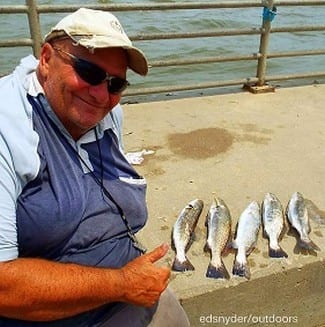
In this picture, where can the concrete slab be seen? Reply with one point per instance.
(237, 147)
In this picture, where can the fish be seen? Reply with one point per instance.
(183, 232)
(273, 223)
(245, 240)
(298, 218)
(218, 223)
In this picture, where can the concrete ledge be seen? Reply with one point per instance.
(294, 297)
(238, 147)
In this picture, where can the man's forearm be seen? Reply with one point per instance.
(40, 290)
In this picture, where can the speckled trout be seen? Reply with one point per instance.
(218, 224)
(298, 217)
(183, 231)
(246, 237)
(273, 224)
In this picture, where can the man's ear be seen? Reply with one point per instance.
(44, 60)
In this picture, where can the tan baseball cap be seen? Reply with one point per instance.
(99, 29)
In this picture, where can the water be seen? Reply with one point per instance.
(16, 26)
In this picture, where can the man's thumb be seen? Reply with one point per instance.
(158, 252)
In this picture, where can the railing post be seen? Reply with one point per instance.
(34, 26)
(264, 41)
(269, 12)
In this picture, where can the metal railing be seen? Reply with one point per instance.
(253, 83)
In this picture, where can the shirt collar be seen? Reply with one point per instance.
(35, 88)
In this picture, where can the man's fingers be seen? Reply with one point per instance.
(158, 252)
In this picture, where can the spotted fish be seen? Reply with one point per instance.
(183, 232)
(273, 223)
(298, 217)
(218, 224)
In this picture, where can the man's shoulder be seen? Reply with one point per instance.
(16, 126)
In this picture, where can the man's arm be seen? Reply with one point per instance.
(41, 290)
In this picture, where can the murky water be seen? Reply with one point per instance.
(16, 26)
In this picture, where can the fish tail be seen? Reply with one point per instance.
(305, 247)
(277, 253)
(241, 269)
(217, 272)
(314, 246)
(182, 266)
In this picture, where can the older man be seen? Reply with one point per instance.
(70, 203)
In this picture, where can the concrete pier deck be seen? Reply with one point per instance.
(237, 147)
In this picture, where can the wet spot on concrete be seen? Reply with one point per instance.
(157, 171)
(195, 253)
(256, 250)
(251, 263)
(201, 143)
(253, 139)
(318, 233)
(265, 255)
(254, 134)
(251, 128)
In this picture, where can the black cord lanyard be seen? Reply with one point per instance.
(130, 233)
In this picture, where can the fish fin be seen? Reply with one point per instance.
(217, 272)
(251, 249)
(182, 266)
(236, 230)
(172, 245)
(206, 247)
(206, 222)
(286, 211)
(233, 245)
(283, 232)
(292, 232)
(265, 234)
(241, 270)
(228, 247)
(277, 253)
(190, 242)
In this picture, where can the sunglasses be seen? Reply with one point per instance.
(94, 75)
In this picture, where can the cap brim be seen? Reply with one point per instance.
(137, 61)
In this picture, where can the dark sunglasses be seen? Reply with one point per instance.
(94, 75)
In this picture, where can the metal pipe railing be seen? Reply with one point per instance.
(33, 11)
(34, 26)
(157, 6)
(216, 84)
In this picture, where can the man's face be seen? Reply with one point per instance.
(79, 105)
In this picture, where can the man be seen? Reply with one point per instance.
(70, 204)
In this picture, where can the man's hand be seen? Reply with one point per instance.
(143, 280)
